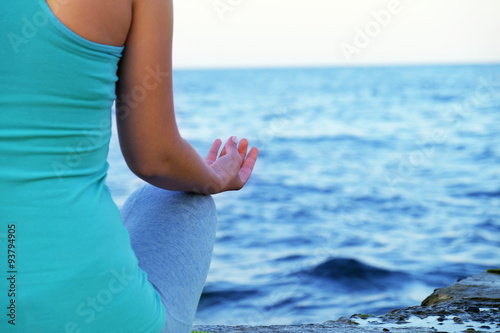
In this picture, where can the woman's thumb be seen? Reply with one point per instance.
(232, 148)
(231, 144)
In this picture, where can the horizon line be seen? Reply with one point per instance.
(319, 66)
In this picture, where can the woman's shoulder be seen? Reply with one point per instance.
(105, 22)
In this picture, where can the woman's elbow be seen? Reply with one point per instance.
(147, 168)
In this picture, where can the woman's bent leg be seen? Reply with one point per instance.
(172, 235)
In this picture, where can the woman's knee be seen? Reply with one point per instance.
(149, 201)
(198, 206)
(202, 202)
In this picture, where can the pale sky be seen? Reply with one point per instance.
(263, 33)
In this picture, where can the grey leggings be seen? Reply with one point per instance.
(172, 235)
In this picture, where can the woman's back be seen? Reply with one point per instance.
(105, 22)
(74, 268)
(73, 265)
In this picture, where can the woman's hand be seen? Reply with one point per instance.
(233, 166)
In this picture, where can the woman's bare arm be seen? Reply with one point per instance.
(149, 137)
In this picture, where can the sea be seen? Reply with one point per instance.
(374, 186)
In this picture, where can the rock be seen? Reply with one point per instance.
(474, 309)
(483, 290)
(470, 305)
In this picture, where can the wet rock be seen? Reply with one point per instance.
(470, 305)
(474, 309)
(483, 290)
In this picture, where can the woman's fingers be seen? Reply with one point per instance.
(242, 149)
(231, 149)
(212, 152)
(224, 152)
(248, 164)
(225, 164)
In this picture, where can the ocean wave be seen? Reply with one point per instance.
(355, 274)
(489, 194)
(222, 293)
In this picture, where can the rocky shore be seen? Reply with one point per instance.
(470, 305)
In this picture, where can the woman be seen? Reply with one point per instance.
(73, 262)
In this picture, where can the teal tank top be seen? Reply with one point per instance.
(65, 256)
